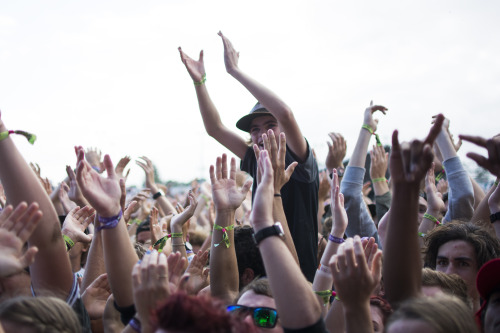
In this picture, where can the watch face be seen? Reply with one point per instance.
(279, 229)
(189, 247)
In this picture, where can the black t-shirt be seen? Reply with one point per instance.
(300, 202)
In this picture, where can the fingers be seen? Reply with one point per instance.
(224, 166)
(291, 168)
(109, 166)
(477, 140)
(70, 172)
(29, 256)
(123, 196)
(218, 168)
(435, 130)
(213, 180)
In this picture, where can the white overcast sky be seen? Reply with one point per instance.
(108, 74)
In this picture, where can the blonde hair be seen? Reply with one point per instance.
(451, 284)
(443, 313)
(43, 314)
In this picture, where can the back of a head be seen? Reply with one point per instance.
(197, 314)
(486, 246)
(247, 253)
(42, 314)
(443, 313)
(452, 284)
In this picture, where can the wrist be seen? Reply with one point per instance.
(494, 209)
(339, 233)
(258, 225)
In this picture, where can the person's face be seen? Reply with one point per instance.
(144, 238)
(377, 318)
(410, 326)
(458, 257)
(492, 317)
(261, 125)
(252, 299)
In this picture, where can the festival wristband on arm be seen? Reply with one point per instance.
(30, 137)
(225, 237)
(377, 138)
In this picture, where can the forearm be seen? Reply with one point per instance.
(179, 243)
(478, 192)
(445, 145)
(20, 184)
(358, 318)
(95, 262)
(163, 202)
(299, 308)
(209, 113)
(224, 278)
(279, 216)
(460, 193)
(383, 204)
(482, 212)
(358, 157)
(335, 319)
(380, 187)
(120, 258)
(402, 262)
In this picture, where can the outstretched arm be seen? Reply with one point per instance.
(224, 278)
(402, 262)
(295, 301)
(360, 221)
(21, 184)
(211, 118)
(268, 99)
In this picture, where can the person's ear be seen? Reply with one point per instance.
(247, 276)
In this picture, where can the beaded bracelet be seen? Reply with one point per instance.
(432, 218)
(30, 137)
(335, 239)
(109, 222)
(203, 80)
(225, 237)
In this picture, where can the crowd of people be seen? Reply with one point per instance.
(269, 245)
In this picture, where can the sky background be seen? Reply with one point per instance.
(107, 74)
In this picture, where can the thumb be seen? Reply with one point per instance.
(29, 257)
(291, 168)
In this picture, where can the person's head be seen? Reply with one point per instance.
(422, 207)
(258, 122)
(440, 314)
(435, 283)
(380, 311)
(195, 314)
(488, 285)
(197, 238)
(250, 265)
(38, 314)
(143, 232)
(460, 248)
(257, 294)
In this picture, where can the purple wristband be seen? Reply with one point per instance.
(109, 222)
(135, 324)
(335, 239)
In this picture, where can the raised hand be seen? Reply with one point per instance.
(435, 203)
(353, 278)
(156, 230)
(74, 192)
(96, 295)
(368, 117)
(336, 151)
(120, 167)
(446, 126)
(409, 163)
(231, 57)
(339, 214)
(149, 170)
(224, 192)
(94, 156)
(379, 161)
(102, 193)
(16, 226)
(195, 68)
(324, 186)
(180, 219)
(492, 163)
(442, 186)
(262, 212)
(198, 275)
(76, 222)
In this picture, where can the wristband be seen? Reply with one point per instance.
(96, 168)
(440, 175)
(203, 80)
(432, 218)
(30, 137)
(335, 239)
(372, 132)
(161, 242)
(381, 179)
(277, 195)
(157, 195)
(334, 294)
(496, 182)
(325, 295)
(324, 269)
(225, 237)
(135, 324)
(69, 242)
(176, 234)
(109, 222)
(495, 217)
(421, 234)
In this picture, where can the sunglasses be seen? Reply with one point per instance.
(262, 316)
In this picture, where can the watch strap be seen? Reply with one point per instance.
(495, 217)
(274, 230)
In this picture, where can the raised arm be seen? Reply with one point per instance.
(104, 195)
(224, 279)
(269, 100)
(295, 301)
(360, 221)
(52, 269)
(211, 118)
(461, 192)
(402, 262)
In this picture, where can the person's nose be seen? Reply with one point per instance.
(450, 269)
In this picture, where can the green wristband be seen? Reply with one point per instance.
(382, 179)
(203, 80)
(432, 218)
(69, 242)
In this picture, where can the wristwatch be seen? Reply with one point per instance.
(274, 230)
(495, 217)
